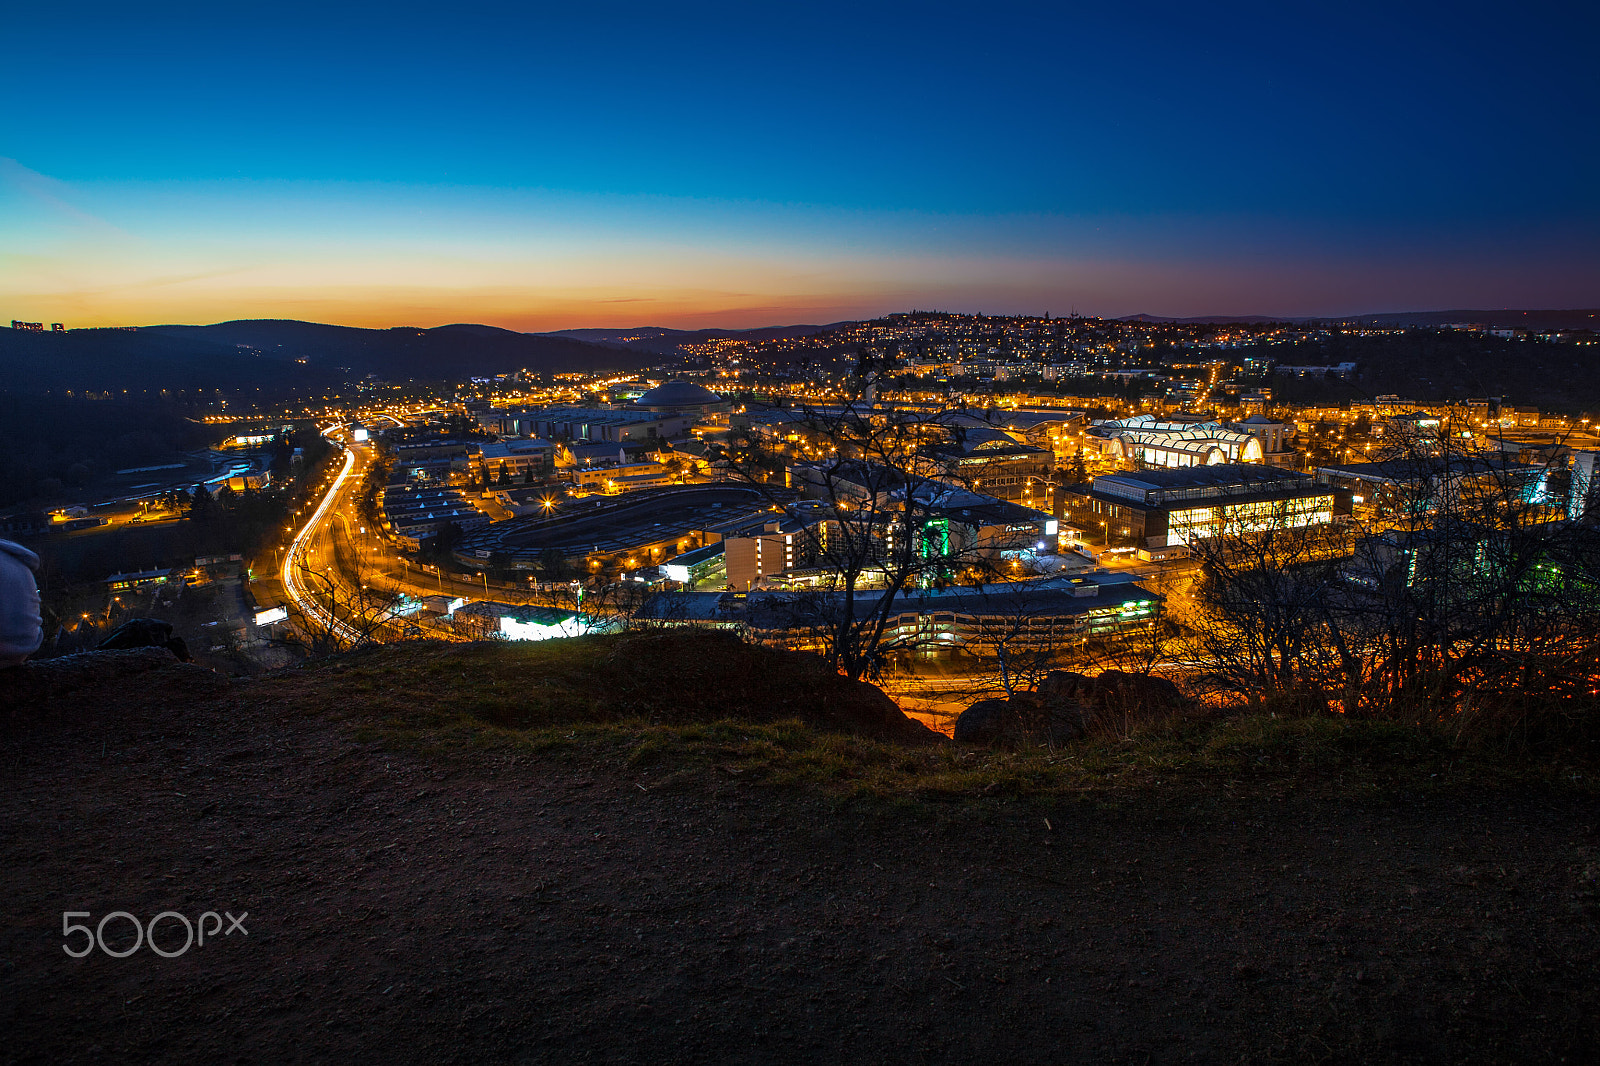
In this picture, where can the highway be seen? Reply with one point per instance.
(340, 575)
(303, 553)
(351, 563)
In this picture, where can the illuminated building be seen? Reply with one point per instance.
(609, 424)
(514, 459)
(1173, 442)
(506, 621)
(989, 461)
(1049, 613)
(776, 546)
(1426, 483)
(1157, 510)
(681, 397)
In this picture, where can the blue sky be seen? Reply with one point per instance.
(543, 167)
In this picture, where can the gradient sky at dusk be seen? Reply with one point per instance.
(549, 167)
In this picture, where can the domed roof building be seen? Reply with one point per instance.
(1155, 442)
(681, 396)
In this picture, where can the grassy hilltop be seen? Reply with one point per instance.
(674, 847)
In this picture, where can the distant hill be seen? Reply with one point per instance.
(267, 354)
(1221, 320)
(660, 340)
(1506, 318)
(141, 360)
(1580, 318)
(404, 352)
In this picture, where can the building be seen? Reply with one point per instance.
(1336, 370)
(620, 532)
(1425, 484)
(623, 478)
(613, 425)
(1052, 428)
(31, 327)
(779, 544)
(1031, 615)
(413, 515)
(847, 480)
(519, 460)
(428, 451)
(1273, 435)
(1151, 441)
(1255, 403)
(989, 461)
(703, 566)
(602, 454)
(1157, 510)
(139, 579)
(682, 398)
(488, 620)
(976, 526)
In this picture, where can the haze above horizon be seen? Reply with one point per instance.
(546, 168)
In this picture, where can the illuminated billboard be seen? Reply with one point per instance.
(271, 615)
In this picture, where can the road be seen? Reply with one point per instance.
(335, 564)
(311, 551)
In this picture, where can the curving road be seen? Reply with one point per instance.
(300, 553)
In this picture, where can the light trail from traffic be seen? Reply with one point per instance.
(297, 593)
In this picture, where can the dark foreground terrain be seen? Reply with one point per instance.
(408, 906)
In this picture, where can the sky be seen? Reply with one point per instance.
(544, 167)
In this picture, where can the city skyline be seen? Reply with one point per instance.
(545, 170)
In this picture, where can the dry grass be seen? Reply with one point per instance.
(689, 708)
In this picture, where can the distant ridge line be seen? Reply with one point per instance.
(1504, 318)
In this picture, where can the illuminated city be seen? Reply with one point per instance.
(853, 536)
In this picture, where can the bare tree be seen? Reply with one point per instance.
(882, 535)
(1460, 588)
(342, 617)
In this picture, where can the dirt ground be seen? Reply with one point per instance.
(403, 908)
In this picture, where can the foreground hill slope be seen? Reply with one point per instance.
(423, 889)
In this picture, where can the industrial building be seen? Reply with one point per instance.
(681, 397)
(638, 529)
(413, 514)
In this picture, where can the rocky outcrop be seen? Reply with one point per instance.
(139, 672)
(146, 633)
(1068, 706)
(1111, 690)
(1021, 719)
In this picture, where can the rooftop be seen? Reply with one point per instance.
(1183, 477)
(678, 394)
